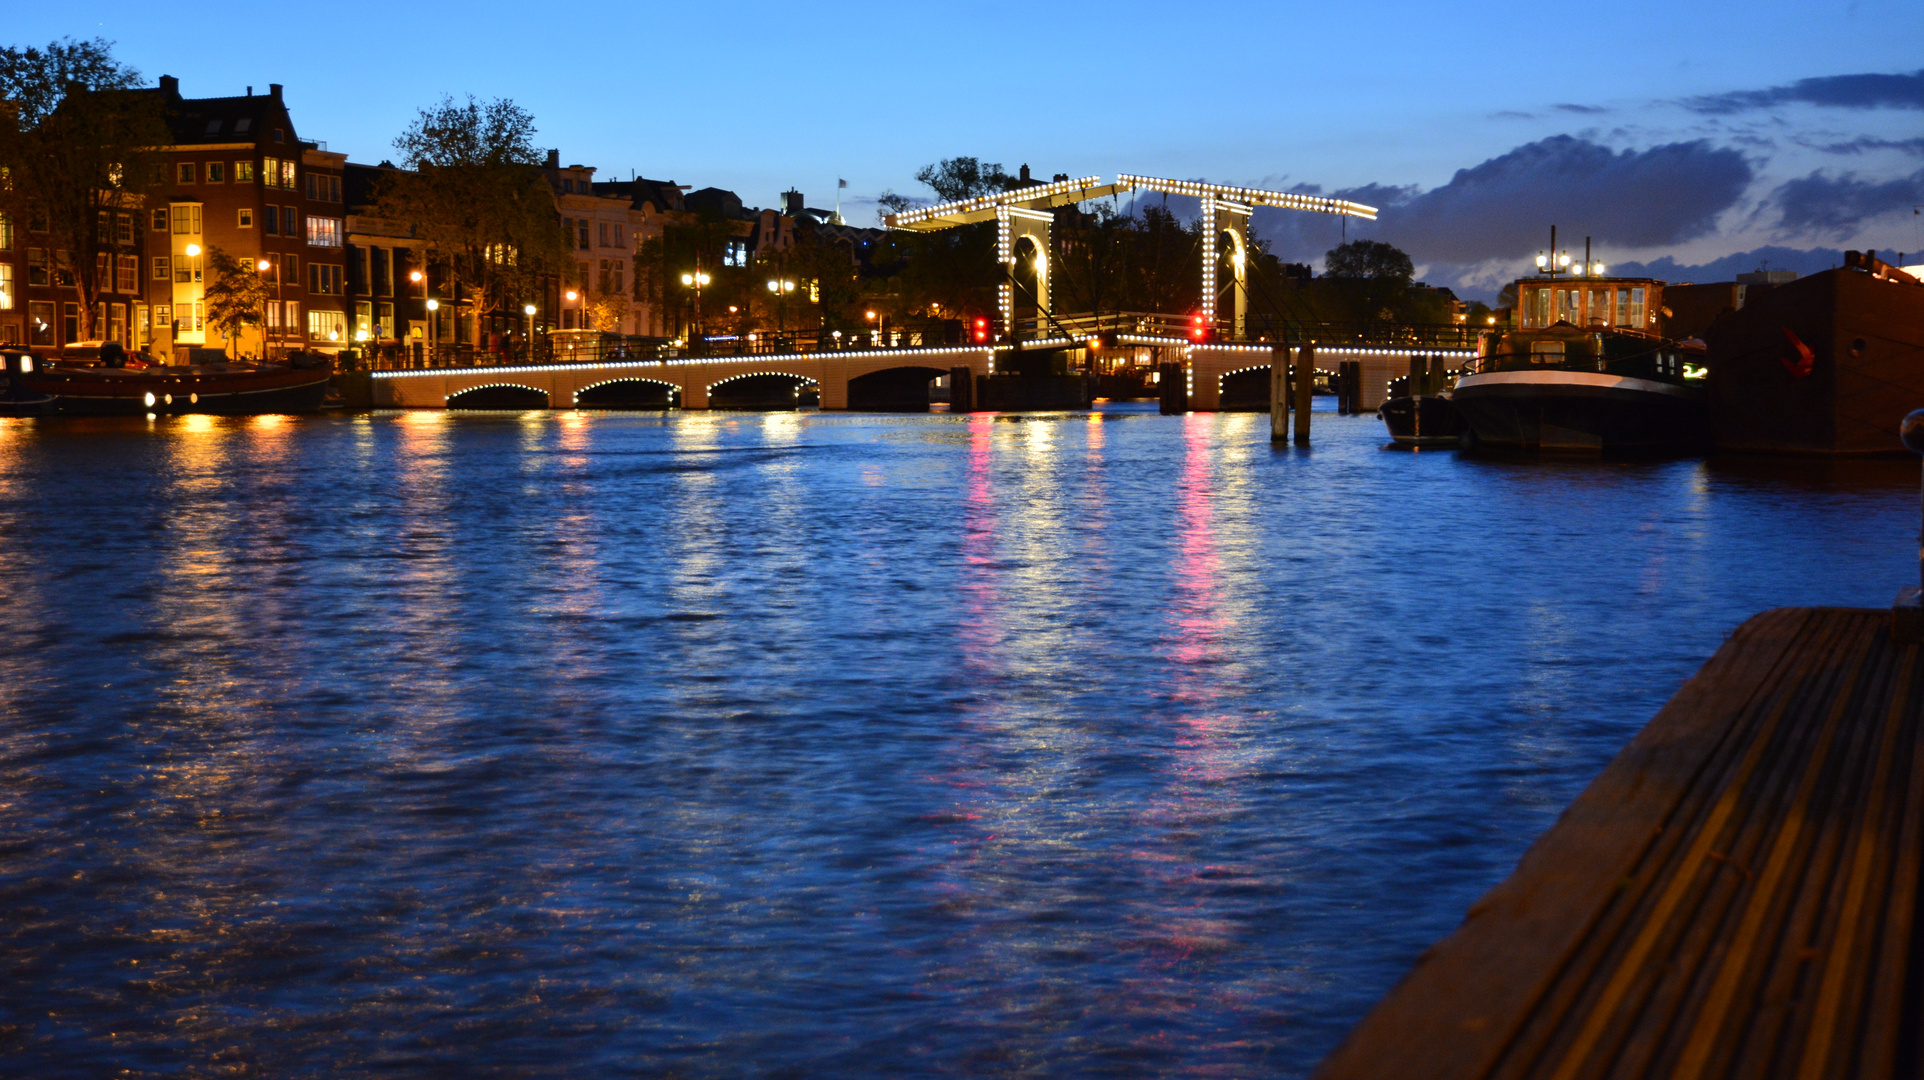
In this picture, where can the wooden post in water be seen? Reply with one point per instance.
(1339, 382)
(1279, 393)
(1175, 389)
(961, 390)
(1305, 383)
(1354, 386)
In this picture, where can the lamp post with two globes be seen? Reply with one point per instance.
(696, 279)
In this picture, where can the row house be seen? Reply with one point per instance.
(387, 281)
(236, 178)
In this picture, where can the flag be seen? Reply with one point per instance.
(841, 183)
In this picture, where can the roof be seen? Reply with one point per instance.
(664, 194)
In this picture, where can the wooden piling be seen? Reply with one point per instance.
(1279, 394)
(961, 390)
(1304, 386)
(1174, 388)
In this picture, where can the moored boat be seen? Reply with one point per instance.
(120, 384)
(1422, 420)
(1584, 370)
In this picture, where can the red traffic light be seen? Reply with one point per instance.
(1197, 330)
(981, 329)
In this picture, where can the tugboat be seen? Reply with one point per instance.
(104, 379)
(1585, 369)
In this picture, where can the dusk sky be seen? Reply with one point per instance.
(1668, 131)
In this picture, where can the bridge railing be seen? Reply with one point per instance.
(1255, 329)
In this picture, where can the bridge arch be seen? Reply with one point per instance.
(762, 390)
(899, 388)
(628, 392)
(1245, 389)
(505, 396)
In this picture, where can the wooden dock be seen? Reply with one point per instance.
(1734, 896)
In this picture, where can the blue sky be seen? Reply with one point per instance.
(1683, 131)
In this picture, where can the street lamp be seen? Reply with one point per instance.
(696, 279)
(528, 309)
(781, 287)
(264, 266)
(434, 339)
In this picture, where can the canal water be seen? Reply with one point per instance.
(796, 745)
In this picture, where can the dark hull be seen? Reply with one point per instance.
(1423, 421)
(109, 392)
(1584, 412)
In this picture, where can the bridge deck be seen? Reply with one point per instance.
(1735, 895)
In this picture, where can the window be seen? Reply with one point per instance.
(735, 254)
(243, 124)
(291, 274)
(322, 188)
(363, 319)
(311, 178)
(70, 322)
(160, 219)
(326, 326)
(243, 170)
(117, 322)
(290, 221)
(271, 221)
(323, 278)
(6, 286)
(6, 233)
(287, 174)
(323, 232)
(280, 135)
(126, 273)
(1623, 307)
(213, 127)
(123, 229)
(162, 271)
(1636, 308)
(163, 315)
(247, 217)
(186, 219)
(380, 265)
(37, 266)
(184, 173)
(40, 323)
(581, 230)
(217, 172)
(270, 171)
(292, 323)
(273, 317)
(384, 327)
(603, 237)
(272, 275)
(357, 269)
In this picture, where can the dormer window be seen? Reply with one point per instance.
(213, 127)
(280, 135)
(242, 125)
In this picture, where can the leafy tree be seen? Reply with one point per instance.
(964, 178)
(77, 145)
(1371, 277)
(237, 295)
(475, 195)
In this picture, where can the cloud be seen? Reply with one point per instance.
(1833, 91)
(1824, 205)
(1804, 261)
(1866, 143)
(1629, 199)
(1586, 110)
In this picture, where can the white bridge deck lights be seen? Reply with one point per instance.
(1225, 209)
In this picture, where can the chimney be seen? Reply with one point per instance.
(791, 202)
(274, 90)
(1025, 172)
(170, 86)
(250, 91)
(554, 159)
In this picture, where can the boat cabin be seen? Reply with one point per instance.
(1589, 303)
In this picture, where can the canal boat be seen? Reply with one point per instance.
(108, 381)
(1826, 364)
(1586, 367)
(1424, 420)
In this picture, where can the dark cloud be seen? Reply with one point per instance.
(1504, 207)
(1586, 110)
(1836, 91)
(1824, 205)
(1512, 114)
(1804, 261)
(1865, 143)
(1632, 198)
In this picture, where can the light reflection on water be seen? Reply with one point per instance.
(719, 744)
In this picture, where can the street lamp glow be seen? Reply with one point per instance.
(193, 250)
(360, 335)
(572, 296)
(263, 266)
(434, 305)
(414, 275)
(774, 286)
(527, 309)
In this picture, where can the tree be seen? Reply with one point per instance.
(1371, 276)
(237, 295)
(474, 193)
(77, 145)
(958, 178)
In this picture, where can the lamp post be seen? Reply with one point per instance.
(528, 309)
(200, 293)
(696, 279)
(434, 339)
(416, 277)
(264, 266)
(781, 287)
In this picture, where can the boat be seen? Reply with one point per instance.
(17, 399)
(1825, 364)
(1424, 420)
(103, 379)
(1586, 368)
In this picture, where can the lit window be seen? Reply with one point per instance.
(186, 219)
(247, 217)
(287, 175)
(163, 315)
(326, 326)
(162, 270)
(243, 171)
(126, 273)
(323, 232)
(6, 286)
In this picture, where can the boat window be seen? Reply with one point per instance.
(1636, 308)
(1623, 307)
(1543, 308)
(1546, 352)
